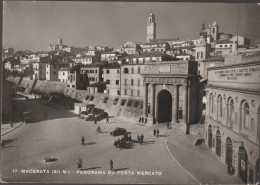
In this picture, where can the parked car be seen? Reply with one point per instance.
(118, 132)
(101, 115)
(83, 114)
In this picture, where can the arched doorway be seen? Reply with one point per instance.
(229, 151)
(257, 171)
(218, 143)
(242, 163)
(164, 102)
(210, 136)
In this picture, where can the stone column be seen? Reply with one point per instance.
(152, 99)
(145, 99)
(175, 104)
(185, 104)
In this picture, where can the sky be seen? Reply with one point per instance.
(29, 25)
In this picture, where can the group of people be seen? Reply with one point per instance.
(140, 139)
(79, 164)
(156, 132)
(121, 143)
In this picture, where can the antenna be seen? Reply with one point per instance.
(237, 25)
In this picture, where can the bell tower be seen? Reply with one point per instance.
(151, 28)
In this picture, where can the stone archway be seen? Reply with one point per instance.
(210, 136)
(164, 102)
(229, 151)
(218, 143)
(242, 164)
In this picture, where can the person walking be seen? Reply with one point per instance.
(79, 163)
(142, 139)
(111, 165)
(138, 138)
(107, 121)
(95, 122)
(158, 132)
(154, 132)
(82, 141)
(168, 125)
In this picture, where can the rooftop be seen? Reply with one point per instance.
(223, 42)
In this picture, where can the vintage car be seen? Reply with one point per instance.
(101, 115)
(83, 114)
(118, 131)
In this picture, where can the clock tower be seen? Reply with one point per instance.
(151, 28)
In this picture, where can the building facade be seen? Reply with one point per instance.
(232, 117)
(112, 77)
(94, 72)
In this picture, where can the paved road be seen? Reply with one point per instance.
(59, 133)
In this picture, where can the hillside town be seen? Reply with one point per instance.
(206, 88)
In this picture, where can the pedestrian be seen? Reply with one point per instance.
(154, 132)
(157, 132)
(107, 121)
(168, 125)
(142, 138)
(79, 163)
(111, 164)
(138, 138)
(82, 141)
(130, 138)
(95, 122)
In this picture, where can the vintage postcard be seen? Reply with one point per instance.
(130, 92)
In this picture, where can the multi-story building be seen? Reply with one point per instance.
(106, 56)
(130, 48)
(39, 70)
(86, 60)
(150, 47)
(52, 69)
(94, 72)
(223, 47)
(77, 80)
(241, 41)
(63, 74)
(112, 77)
(202, 50)
(148, 57)
(132, 81)
(232, 116)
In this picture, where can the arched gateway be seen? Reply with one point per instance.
(170, 93)
(164, 102)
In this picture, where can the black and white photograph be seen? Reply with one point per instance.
(111, 92)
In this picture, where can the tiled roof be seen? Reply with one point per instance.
(97, 84)
(215, 58)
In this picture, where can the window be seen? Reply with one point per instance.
(139, 70)
(108, 81)
(226, 46)
(73, 86)
(117, 82)
(108, 91)
(213, 30)
(54, 73)
(125, 91)
(118, 92)
(253, 126)
(63, 74)
(246, 116)
(136, 104)
(126, 70)
(132, 81)
(129, 104)
(123, 102)
(107, 71)
(115, 101)
(220, 46)
(96, 71)
(118, 71)
(230, 112)
(91, 98)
